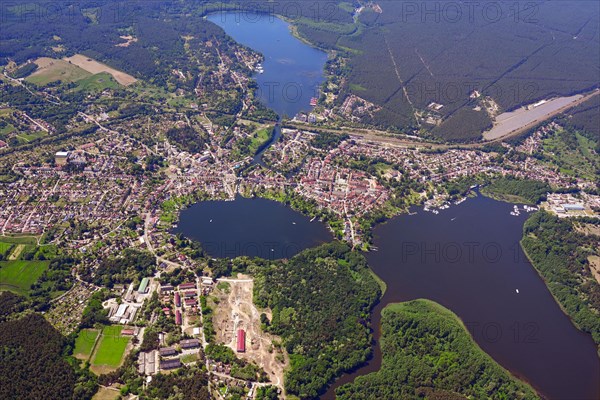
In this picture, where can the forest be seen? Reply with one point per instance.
(131, 265)
(512, 189)
(187, 139)
(559, 252)
(321, 301)
(428, 353)
(34, 365)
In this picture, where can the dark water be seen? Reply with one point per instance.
(293, 71)
(468, 259)
(250, 227)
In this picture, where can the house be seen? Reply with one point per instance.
(187, 286)
(170, 364)
(189, 343)
(167, 351)
(177, 300)
(178, 317)
(241, 341)
(143, 286)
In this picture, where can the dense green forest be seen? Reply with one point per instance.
(187, 139)
(513, 189)
(321, 301)
(428, 353)
(560, 254)
(187, 383)
(34, 365)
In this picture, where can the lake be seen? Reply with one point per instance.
(468, 259)
(250, 227)
(293, 70)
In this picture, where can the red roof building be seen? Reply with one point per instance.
(177, 300)
(187, 285)
(241, 341)
(178, 317)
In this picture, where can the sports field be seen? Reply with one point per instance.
(109, 350)
(18, 276)
(84, 344)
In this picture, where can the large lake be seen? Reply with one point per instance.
(466, 258)
(250, 227)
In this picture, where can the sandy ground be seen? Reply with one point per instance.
(595, 266)
(237, 311)
(95, 67)
(513, 122)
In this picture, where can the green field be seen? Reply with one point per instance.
(18, 239)
(18, 276)
(97, 82)
(5, 247)
(57, 70)
(84, 344)
(111, 348)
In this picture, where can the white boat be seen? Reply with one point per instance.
(517, 290)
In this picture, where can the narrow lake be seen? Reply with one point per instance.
(250, 227)
(293, 70)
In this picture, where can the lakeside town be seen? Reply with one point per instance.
(89, 203)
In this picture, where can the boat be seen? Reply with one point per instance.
(313, 101)
(293, 223)
(517, 290)
(210, 220)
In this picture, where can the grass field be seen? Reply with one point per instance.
(18, 239)
(5, 247)
(110, 350)
(17, 276)
(84, 344)
(97, 82)
(51, 70)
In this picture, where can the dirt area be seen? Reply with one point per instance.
(595, 266)
(588, 229)
(16, 252)
(105, 393)
(237, 311)
(95, 67)
(128, 40)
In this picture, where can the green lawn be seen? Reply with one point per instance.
(98, 82)
(19, 239)
(17, 276)
(84, 344)
(111, 347)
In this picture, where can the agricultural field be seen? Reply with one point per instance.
(18, 275)
(52, 70)
(95, 67)
(84, 344)
(110, 350)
